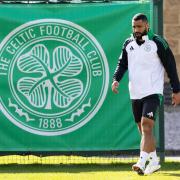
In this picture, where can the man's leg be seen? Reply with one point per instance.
(139, 127)
(145, 116)
(148, 144)
(147, 139)
(139, 167)
(144, 155)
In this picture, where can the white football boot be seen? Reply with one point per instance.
(139, 167)
(152, 167)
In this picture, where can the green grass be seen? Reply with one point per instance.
(169, 171)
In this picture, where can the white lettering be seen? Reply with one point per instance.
(10, 50)
(69, 34)
(4, 63)
(56, 30)
(91, 54)
(97, 73)
(76, 38)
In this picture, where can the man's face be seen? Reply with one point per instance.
(140, 28)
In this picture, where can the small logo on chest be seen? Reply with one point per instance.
(147, 47)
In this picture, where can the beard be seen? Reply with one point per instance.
(138, 35)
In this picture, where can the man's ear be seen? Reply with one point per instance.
(147, 27)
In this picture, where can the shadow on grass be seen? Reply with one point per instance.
(71, 168)
(171, 169)
(172, 174)
(167, 168)
(171, 166)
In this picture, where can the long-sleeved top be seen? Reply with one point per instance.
(145, 62)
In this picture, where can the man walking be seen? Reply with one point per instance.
(145, 56)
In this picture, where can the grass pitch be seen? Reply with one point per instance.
(119, 171)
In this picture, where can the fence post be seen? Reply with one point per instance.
(158, 28)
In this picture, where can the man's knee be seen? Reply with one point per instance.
(147, 125)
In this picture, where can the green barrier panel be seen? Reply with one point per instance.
(56, 67)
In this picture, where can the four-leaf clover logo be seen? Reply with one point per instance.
(53, 83)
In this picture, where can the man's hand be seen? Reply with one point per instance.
(176, 98)
(115, 85)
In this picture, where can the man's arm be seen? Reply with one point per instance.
(167, 58)
(121, 68)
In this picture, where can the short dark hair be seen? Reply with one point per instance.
(140, 16)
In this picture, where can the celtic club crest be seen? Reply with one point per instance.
(53, 77)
